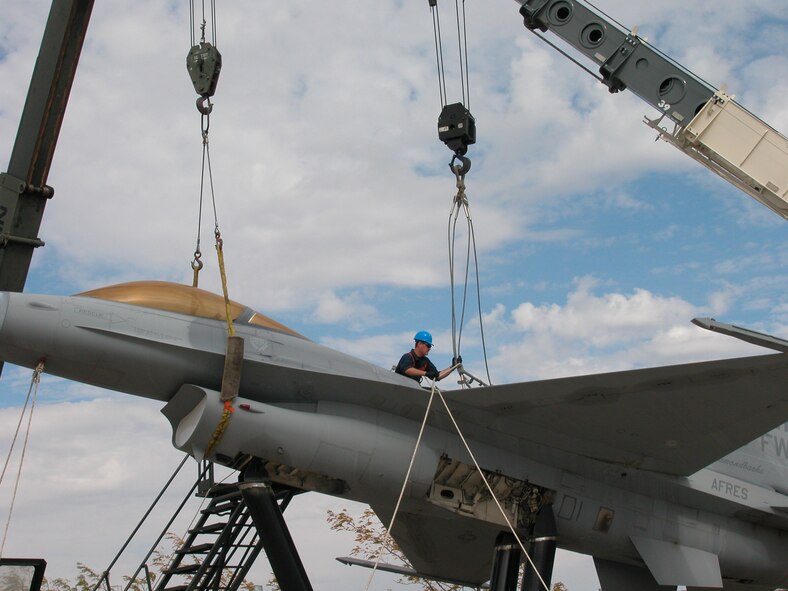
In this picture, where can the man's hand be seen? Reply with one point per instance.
(433, 375)
(456, 360)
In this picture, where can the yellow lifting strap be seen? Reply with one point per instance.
(204, 64)
(233, 359)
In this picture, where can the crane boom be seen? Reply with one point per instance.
(708, 125)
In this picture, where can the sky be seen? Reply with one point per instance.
(596, 244)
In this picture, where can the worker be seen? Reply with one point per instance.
(415, 365)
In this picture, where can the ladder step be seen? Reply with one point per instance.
(222, 489)
(221, 507)
(182, 570)
(209, 529)
(197, 549)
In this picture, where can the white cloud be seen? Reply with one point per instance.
(351, 310)
(593, 333)
(332, 196)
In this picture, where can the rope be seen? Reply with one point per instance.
(105, 574)
(203, 22)
(36, 379)
(205, 107)
(223, 273)
(404, 485)
(460, 202)
(569, 57)
(196, 262)
(492, 494)
(224, 421)
(462, 49)
(166, 528)
(436, 32)
(433, 391)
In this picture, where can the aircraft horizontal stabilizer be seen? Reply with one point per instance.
(673, 420)
(393, 568)
(615, 576)
(674, 564)
(444, 548)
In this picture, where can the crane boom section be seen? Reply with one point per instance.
(709, 126)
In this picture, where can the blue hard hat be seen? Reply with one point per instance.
(423, 336)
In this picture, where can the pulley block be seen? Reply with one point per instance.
(204, 63)
(457, 128)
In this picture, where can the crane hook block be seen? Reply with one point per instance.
(457, 128)
(204, 63)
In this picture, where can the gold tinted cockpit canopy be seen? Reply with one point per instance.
(183, 299)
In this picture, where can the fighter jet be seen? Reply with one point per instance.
(666, 476)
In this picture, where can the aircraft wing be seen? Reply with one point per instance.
(674, 420)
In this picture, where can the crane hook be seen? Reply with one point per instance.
(204, 104)
(460, 170)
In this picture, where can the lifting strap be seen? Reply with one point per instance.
(204, 63)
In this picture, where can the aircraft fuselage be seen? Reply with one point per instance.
(325, 421)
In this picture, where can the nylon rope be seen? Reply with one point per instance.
(433, 391)
(490, 490)
(404, 485)
(34, 382)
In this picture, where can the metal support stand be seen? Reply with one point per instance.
(506, 563)
(282, 553)
(543, 545)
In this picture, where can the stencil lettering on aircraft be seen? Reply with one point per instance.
(780, 443)
(730, 489)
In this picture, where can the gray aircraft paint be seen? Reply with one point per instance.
(329, 422)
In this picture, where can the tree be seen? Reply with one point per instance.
(370, 537)
(371, 540)
(87, 578)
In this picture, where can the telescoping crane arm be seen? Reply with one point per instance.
(708, 125)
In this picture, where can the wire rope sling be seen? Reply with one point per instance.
(204, 64)
(457, 129)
